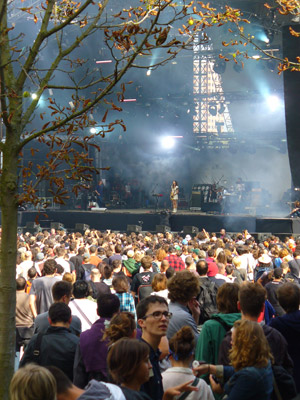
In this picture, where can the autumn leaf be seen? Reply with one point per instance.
(294, 33)
(26, 9)
(105, 116)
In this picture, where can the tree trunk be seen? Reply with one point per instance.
(8, 250)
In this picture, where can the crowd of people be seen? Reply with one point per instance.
(108, 315)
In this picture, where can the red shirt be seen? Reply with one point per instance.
(175, 262)
(213, 269)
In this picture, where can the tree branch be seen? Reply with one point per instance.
(53, 67)
(117, 77)
(33, 52)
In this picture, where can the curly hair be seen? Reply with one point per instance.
(121, 325)
(183, 286)
(250, 347)
(182, 344)
(283, 253)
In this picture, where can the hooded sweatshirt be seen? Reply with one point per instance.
(131, 265)
(211, 336)
(289, 326)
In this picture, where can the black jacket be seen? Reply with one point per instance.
(277, 342)
(57, 348)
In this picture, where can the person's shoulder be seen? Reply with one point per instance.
(70, 335)
(37, 281)
(41, 317)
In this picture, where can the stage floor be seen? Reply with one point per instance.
(118, 219)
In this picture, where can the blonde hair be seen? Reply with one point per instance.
(237, 261)
(32, 382)
(250, 347)
(138, 256)
(68, 277)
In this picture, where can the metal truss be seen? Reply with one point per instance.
(211, 118)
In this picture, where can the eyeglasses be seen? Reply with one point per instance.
(159, 314)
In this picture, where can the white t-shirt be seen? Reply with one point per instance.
(86, 311)
(177, 375)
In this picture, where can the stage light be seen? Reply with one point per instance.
(167, 142)
(34, 96)
(261, 35)
(93, 130)
(104, 62)
(273, 102)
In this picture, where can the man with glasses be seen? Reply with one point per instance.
(153, 317)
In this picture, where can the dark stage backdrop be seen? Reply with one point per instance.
(291, 49)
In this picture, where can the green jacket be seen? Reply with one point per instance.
(211, 336)
(131, 265)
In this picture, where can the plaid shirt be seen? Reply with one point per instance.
(126, 302)
(175, 262)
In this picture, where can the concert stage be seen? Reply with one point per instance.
(119, 219)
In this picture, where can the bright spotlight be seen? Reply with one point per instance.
(273, 103)
(148, 73)
(34, 96)
(167, 142)
(262, 36)
(93, 130)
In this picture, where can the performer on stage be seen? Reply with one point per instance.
(99, 192)
(174, 195)
(296, 211)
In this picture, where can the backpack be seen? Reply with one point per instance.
(87, 272)
(284, 387)
(207, 301)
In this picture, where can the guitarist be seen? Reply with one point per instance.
(174, 195)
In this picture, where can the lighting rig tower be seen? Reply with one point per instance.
(212, 124)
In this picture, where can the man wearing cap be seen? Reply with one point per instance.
(195, 255)
(264, 266)
(188, 238)
(39, 263)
